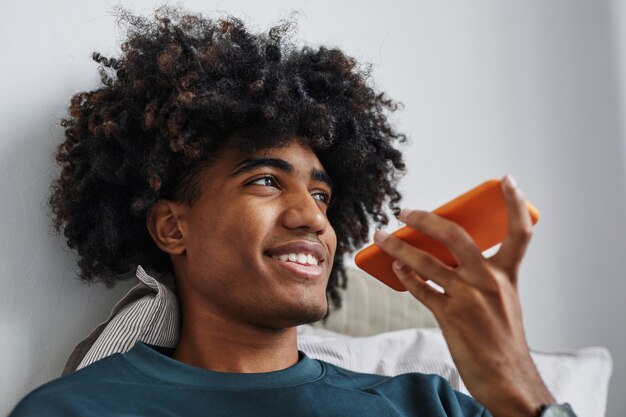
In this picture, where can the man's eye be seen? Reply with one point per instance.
(323, 197)
(267, 181)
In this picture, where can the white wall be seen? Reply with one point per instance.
(531, 88)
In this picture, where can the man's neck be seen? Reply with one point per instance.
(215, 344)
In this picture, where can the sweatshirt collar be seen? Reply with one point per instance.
(156, 363)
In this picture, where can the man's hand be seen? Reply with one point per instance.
(479, 313)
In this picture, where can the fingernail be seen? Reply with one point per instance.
(397, 265)
(380, 236)
(510, 180)
(404, 213)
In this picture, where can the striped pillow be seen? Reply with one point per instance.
(148, 312)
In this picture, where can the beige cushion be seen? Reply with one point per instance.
(370, 307)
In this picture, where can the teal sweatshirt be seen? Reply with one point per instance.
(146, 381)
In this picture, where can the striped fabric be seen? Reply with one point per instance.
(148, 312)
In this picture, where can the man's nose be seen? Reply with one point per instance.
(303, 211)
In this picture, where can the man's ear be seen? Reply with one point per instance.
(164, 227)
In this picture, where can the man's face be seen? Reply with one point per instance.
(254, 211)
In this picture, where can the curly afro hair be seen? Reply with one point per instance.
(183, 87)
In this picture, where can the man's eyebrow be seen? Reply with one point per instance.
(250, 164)
(322, 176)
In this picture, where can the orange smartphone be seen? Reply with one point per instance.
(481, 211)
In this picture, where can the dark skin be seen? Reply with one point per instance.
(240, 306)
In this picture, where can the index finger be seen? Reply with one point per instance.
(453, 236)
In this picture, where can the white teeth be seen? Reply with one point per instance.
(301, 258)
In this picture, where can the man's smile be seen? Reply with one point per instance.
(300, 251)
(304, 270)
(302, 257)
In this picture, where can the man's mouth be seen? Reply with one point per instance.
(303, 258)
(303, 252)
(300, 258)
(301, 263)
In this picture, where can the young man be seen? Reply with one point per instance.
(248, 168)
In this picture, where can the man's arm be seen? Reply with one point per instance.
(479, 313)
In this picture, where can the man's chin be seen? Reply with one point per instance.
(312, 316)
(302, 315)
